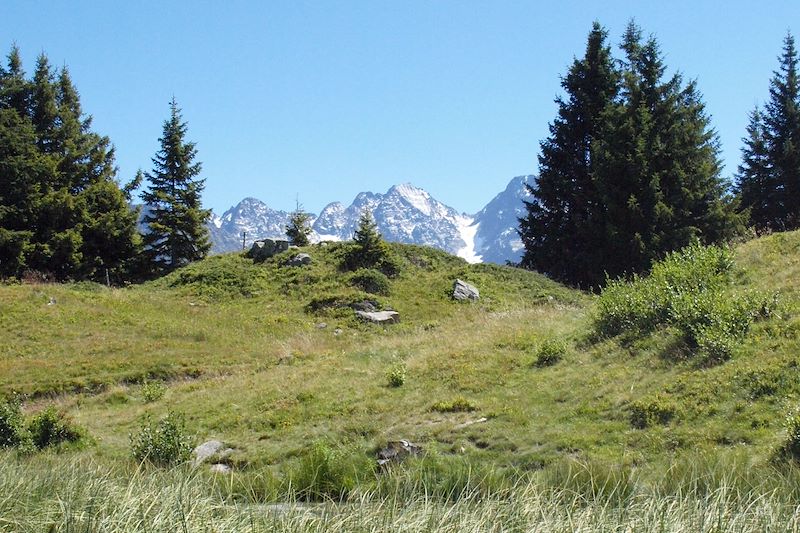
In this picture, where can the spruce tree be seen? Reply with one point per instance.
(650, 168)
(769, 177)
(176, 233)
(62, 211)
(298, 229)
(562, 227)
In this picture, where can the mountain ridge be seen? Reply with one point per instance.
(404, 213)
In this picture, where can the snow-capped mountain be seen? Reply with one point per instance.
(252, 217)
(496, 238)
(404, 213)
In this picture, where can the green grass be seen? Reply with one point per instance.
(242, 353)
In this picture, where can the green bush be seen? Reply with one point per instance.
(550, 352)
(396, 376)
(652, 411)
(152, 391)
(12, 426)
(327, 472)
(51, 427)
(792, 425)
(457, 405)
(162, 443)
(371, 281)
(690, 291)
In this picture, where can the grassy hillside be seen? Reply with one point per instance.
(270, 359)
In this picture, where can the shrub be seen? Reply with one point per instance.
(328, 472)
(688, 290)
(792, 425)
(12, 425)
(550, 352)
(162, 443)
(51, 427)
(371, 281)
(152, 391)
(396, 376)
(457, 405)
(653, 411)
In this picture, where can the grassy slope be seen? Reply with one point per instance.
(247, 363)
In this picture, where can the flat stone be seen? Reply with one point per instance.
(379, 317)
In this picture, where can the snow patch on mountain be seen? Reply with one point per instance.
(467, 228)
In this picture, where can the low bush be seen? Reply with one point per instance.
(162, 443)
(550, 352)
(51, 427)
(652, 411)
(152, 391)
(690, 291)
(791, 446)
(456, 405)
(396, 376)
(328, 472)
(371, 281)
(12, 424)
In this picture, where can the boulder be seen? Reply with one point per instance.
(367, 306)
(207, 450)
(397, 451)
(266, 248)
(211, 449)
(220, 468)
(299, 260)
(379, 317)
(464, 291)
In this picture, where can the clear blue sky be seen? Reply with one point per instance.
(326, 99)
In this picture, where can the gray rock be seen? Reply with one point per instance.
(207, 450)
(299, 260)
(337, 332)
(379, 317)
(464, 291)
(220, 468)
(397, 451)
(321, 325)
(266, 248)
(367, 306)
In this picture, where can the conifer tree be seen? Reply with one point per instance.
(653, 175)
(298, 229)
(769, 176)
(175, 220)
(62, 212)
(562, 227)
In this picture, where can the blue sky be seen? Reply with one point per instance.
(322, 100)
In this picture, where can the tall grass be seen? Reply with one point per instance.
(55, 494)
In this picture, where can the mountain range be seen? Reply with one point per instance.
(404, 213)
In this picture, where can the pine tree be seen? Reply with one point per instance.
(561, 229)
(769, 177)
(298, 229)
(176, 232)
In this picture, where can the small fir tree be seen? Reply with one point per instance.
(176, 233)
(298, 229)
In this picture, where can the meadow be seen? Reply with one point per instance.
(534, 412)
